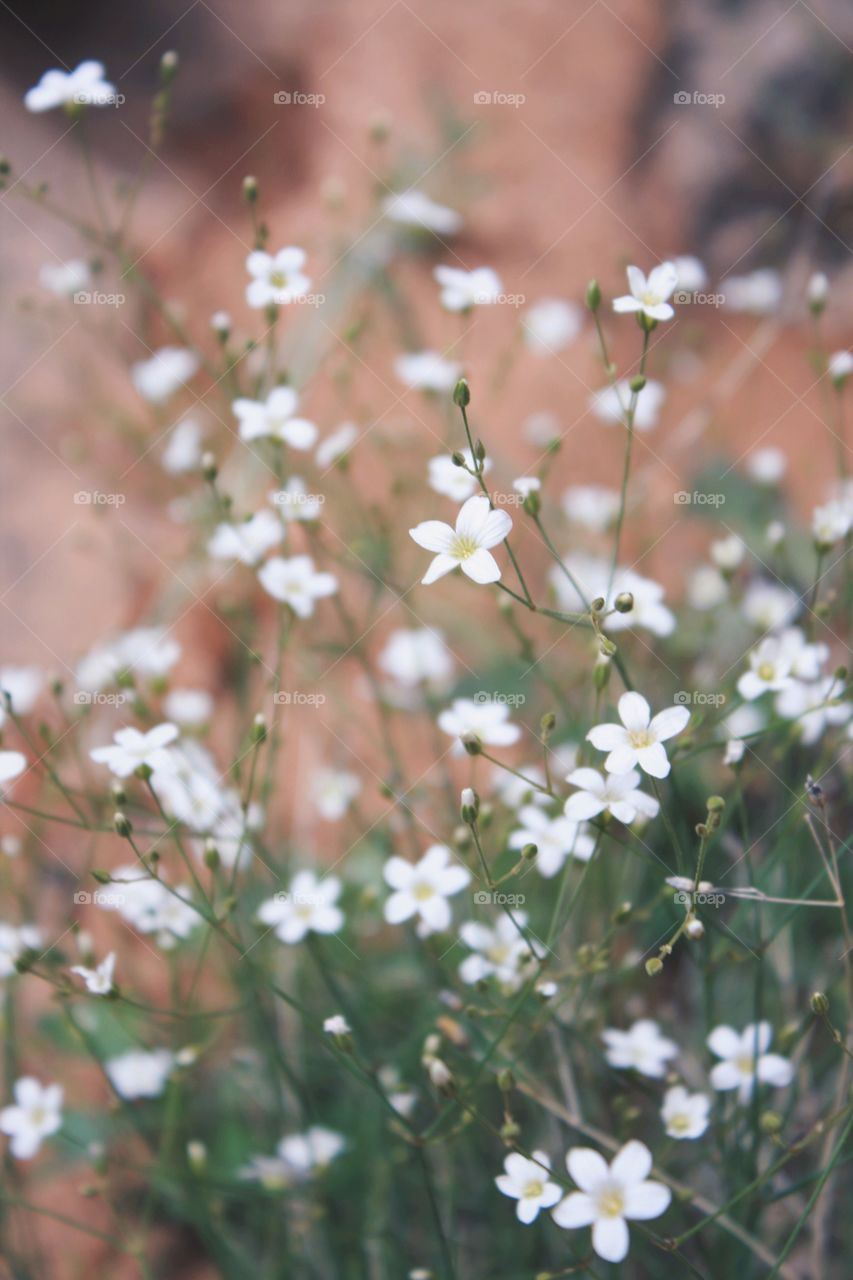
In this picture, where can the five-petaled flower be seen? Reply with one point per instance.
(610, 1195)
(422, 888)
(641, 1048)
(614, 793)
(84, 86)
(275, 418)
(295, 582)
(527, 1182)
(745, 1060)
(133, 748)
(308, 906)
(277, 279)
(684, 1114)
(639, 739)
(478, 528)
(649, 295)
(37, 1113)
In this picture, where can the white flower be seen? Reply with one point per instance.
(610, 1194)
(502, 952)
(296, 582)
(831, 523)
(641, 1048)
(414, 209)
(767, 466)
(306, 1153)
(145, 651)
(817, 289)
(333, 791)
(706, 588)
(487, 722)
(37, 1114)
(337, 445)
(593, 578)
(778, 660)
(248, 541)
(158, 378)
(461, 290)
(337, 1025)
(422, 888)
(183, 447)
(190, 707)
(22, 686)
(478, 528)
(220, 323)
(275, 417)
(296, 503)
(745, 1060)
(65, 278)
(99, 981)
(413, 657)
(148, 905)
(759, 293)
(525, 485)
(85, 84)
(12, 764)
(551, 325)
(840, 365)
(133, 748)
(542, 427)
(614, 793)
(452, 481)
(769, 606)
(691, 273)
(591, 505)
(649, 296)
(685, 1115)
(14, 941)
(427, 371)
(727, 553)
(611, 404)
(555, 838)
(639, 739)
(308, 906)
(277, 279)
(812, 704)
(140, 1074)
(527, 1182)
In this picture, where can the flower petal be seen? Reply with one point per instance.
(669, 722)
(577, 1210)
(610, 1239)
(647, 1200)
(634, 711)
(481, 567)
(632, 1163)
(433, 535)
(587, 1167)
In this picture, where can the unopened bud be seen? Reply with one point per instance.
(593, 295)
(472, 744)
(259, 729)
(250, 190)
(462, 394)
(819, 1003)
(653, 966)
(169, 66)
(624, 602)
(470, 805)
(209, 469)
(636, 384)
(122, 825)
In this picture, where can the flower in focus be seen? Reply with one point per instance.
(308, 906)
(133, 748)
(649, 296)
(427, 371)
(555, 838)
(296, 582)
(641, 1048)
(248, 541)
(160, 377)
(84, 85)
(684, 1114)
(639, 739)
(275, 418)
(99, 981)
(551, 325)
(614, 793)
(277, 279)
(611, 1194)
(461, 290)
(422, 888)
(468, 546)
(527, 1182)
(745, 1060)
(140, 1074)
(414, 209)
(35, 1115)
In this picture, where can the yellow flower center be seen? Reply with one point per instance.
(462, 547)
(278, 279)
(640, 738)
(766, 671)
(680, 1123)
(423, 890)
(611, 1203)
(746, 1064)
(532, 1190)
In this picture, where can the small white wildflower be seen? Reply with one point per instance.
(468, 546)
(641, 1048)
(684, 1114)
(527, 1182)
(745, 1060)
(35, 1115)
(611, 1195)
(649, 296)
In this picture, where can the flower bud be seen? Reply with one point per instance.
(636, 384)
(339, 1031)
(819, 1003)
(624, 602)
(122, 825)
(169, 64)
(770, 1122)
(250, 190)
(506, 1080)
(259, 729)
(694, 928)
(593, 295)
(196, 1156)
(211, 855)
(654, 965)
(470, 805)
(462, 394)
(529, 852)
(209, 469)
(472, 744)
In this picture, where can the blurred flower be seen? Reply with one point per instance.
(308, 906)
(611, 404)
(551, 325)
(160, 377)
(641, 1048)
(691, 273)
(99, 981)
(502, 952)
(12, 764)
(248, 541)
(333, 791)
(767, 466)
(337, 445)
(592, 506)
(745, 1060)
(527, 1182)
(274, 417)
(14, 942)
(461, 290)
(133, 748)
(36, 1114)
(65, 278)
(294, 502)
(140, 1074)
(296, 582)
(183, 447)
(759, 293)
(685, 1115)
(452, 481)
(486, 721)
(840, 365)
(85, 84)
(417, 656)
(22, 686)
(414, 209)
(427, 371)
(478, 528)
(189, 707)
(277, 279)
(422, 888)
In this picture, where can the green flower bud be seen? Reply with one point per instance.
(122, 825)
(462, 394)
(593, 295)
(819, 1003)
(653, 966)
